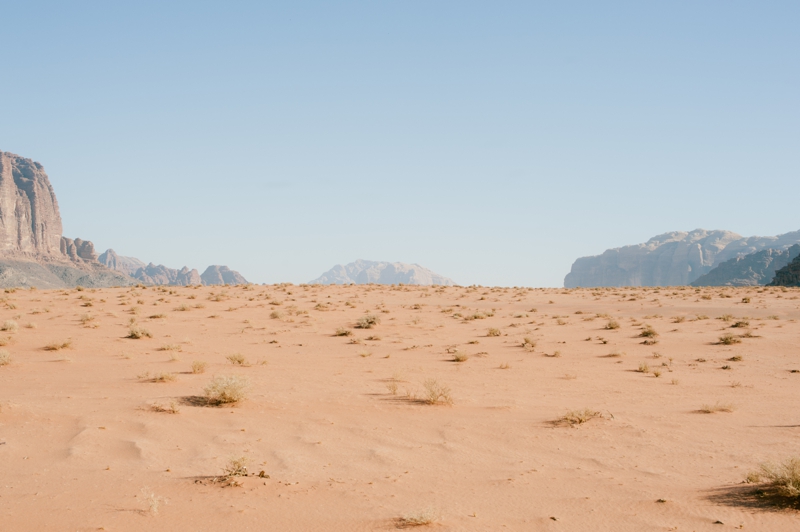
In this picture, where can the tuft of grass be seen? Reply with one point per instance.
(556, 354)
(459, 357)
(648, 332)
(183, 308)
(612, 324)
(237, 359)
(373, 338)
(171, 408)
(420, 518)
(136, 332)
(717, 407)
(643, 368)
(579, 417)
(10, 326)
(367, 321)
(170, 347)
(493, 332)
(157, 316)
(341, 331)
(57, 346)
(729, 339)
(276, 315)
(528, 343)
(436, 393)
(779, 480)
(504, 365)
(741, 324)
(5, 357)
(199, 367)
(226, 389)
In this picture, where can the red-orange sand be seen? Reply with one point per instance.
(82, 449)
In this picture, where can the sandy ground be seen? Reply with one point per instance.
(335, 429)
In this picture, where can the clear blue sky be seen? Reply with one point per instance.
(493, 142)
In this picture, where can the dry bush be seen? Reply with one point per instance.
(504, 365)
(779, 480)
(741, 324)
(236, 467)
(579, 417)
(199, 367)
(136, 332)
(170, 347)
(493, 332)
(57, 346)
(226, 389)
(528, 343)
(648, 332)
(183, 308)
(373, 338)
(612, 324)
(717, 407)
(419, 518)
(5, 357)
(10, 326)
(556, 354)
(237, 359)
(435, 393)
(459, 357)
(153, 500)
(276, 315)
(163, 377)
(367, 321)
(171, 408)
(341, 331)
(157, 316)
(643, 368)
(729, 339)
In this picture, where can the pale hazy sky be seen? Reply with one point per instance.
(493, 142)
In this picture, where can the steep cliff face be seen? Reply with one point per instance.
(29, 219)
(366, 271)
(671, 259)
(757, 268)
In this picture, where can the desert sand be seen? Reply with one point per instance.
(103, 432)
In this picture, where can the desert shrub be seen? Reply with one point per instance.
(648, 332)
(236, 467)
(276, 314)
(183, 308)
(493, 332)
(170, 347)
(57, 346)
(5, 357)
(643, 368)
(171, 408)
(782, 479)
(367, 321)
(459, 357)
(612, 324)
(10, 326)
(729, 339)
(717, 407)
(199, 367)
(237, 359)
(136, 332)
(420, 518)
(341, 331)
(226, 389)
(157, 316)
(435, 393)
(741, 324)
(578, 417)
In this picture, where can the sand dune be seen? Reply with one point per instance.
(336, 432)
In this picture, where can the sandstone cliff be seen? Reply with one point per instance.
(162, 275)
(29, 219)
(750, 270)
(365, 272)
(677, 258)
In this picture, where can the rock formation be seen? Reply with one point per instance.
(215, 275)
(126, 265)
(161, 275)
(750, 270)
(30, 223)
(789, 275)
(366, 272)
(676, 258)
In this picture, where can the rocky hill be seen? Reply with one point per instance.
(750, 270)
(33, 252)
(671, 259)
(789, 275)
(366, 272)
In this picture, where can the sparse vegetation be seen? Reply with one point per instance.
(493, 332)
(729, 339)
(136, 332)
(226, 389)
(9, 326)
(779, 480)
(237, 359)
(199, 367)
(414, 519)
(579, 417)
(435, 393)
(612, 324)
(367, 321)
(5, 357)
(57, 346)
(341, 331)
(717, 407)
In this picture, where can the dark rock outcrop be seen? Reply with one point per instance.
(671, 259)
(366, 272)
(757, 268)
(215, 275)
(789, 275)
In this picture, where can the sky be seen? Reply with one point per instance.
(492, 142)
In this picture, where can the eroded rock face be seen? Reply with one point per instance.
(161, 275)
(366, 271)
(215, 275)
(789, 275)
(127, 265)
(755, 269)
(78, 249)
(671, 259)
(30, 222)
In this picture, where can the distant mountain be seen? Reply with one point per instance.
(161, 275)
(671, 259)
(366, 272)
(215, 275)
(750, 270)
(127, 265)
(789, 275)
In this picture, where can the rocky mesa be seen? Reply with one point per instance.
(367, 271)
(671, 259)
